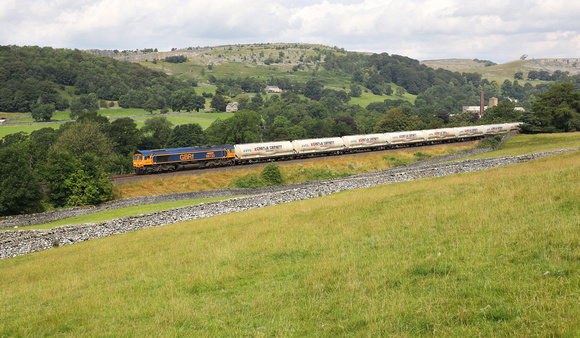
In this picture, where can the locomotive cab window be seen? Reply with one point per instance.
(137, 157)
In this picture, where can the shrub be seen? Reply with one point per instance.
(249, 181)
(271, 175)
(490, 142)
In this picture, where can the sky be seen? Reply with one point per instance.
(496, 30)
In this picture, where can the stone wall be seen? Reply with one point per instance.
(20, 242)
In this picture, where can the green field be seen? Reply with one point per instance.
(492, 253)
(137, 114)
(211, 116)
(8, 129)
(367, 98)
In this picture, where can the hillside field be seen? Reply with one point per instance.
(138, 115)
(492, 253)
(507, 70)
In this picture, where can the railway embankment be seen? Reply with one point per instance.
(20, 242)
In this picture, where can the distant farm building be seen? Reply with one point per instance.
(492, 103)
(272, 90)
(232, 107)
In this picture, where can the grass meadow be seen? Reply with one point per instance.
(492, 253)
(139, 115)
(6, 129)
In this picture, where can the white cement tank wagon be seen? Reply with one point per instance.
(318, 145)
(365, 141)
(263, 150)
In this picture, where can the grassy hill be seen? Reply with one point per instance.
(490, 253)
(297, 62)
(507, 70)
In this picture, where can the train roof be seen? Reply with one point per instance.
(183, 150)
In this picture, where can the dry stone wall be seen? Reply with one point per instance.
(20, 242)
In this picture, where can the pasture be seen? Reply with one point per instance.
(491, 253)
(139, 115)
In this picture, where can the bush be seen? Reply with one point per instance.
(490, 142)
(271, 175)
(249, 181)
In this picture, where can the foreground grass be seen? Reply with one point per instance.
(491, 253)
(333, 166)
(122, 212)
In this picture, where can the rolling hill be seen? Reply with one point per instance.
(507, 70)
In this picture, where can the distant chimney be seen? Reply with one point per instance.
(481, 103)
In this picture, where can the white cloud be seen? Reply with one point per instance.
(500, 30)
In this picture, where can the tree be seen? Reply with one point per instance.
(14, 139)
(519, 75)
(243, 127)
(396, 120)
(355, 91)
(502, 113)
(557, 110)
(187, 135)
(400, 91)
(197, 103)
(280, 134)
(90, 102)
(312, 88)
(20, 186)
(344, 126)
(159, 129)
(75, 180)
(317, 110)
(183, 100)
(125, 135)
(218, 103)
(533, 75)
(87, 137)
(95, 117)
(150, 105)
(340, 129)
(76, 108)
(43, 112)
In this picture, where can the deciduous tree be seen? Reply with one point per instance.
(187, 135)
(20, 186)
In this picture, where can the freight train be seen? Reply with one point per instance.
(167, 160)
